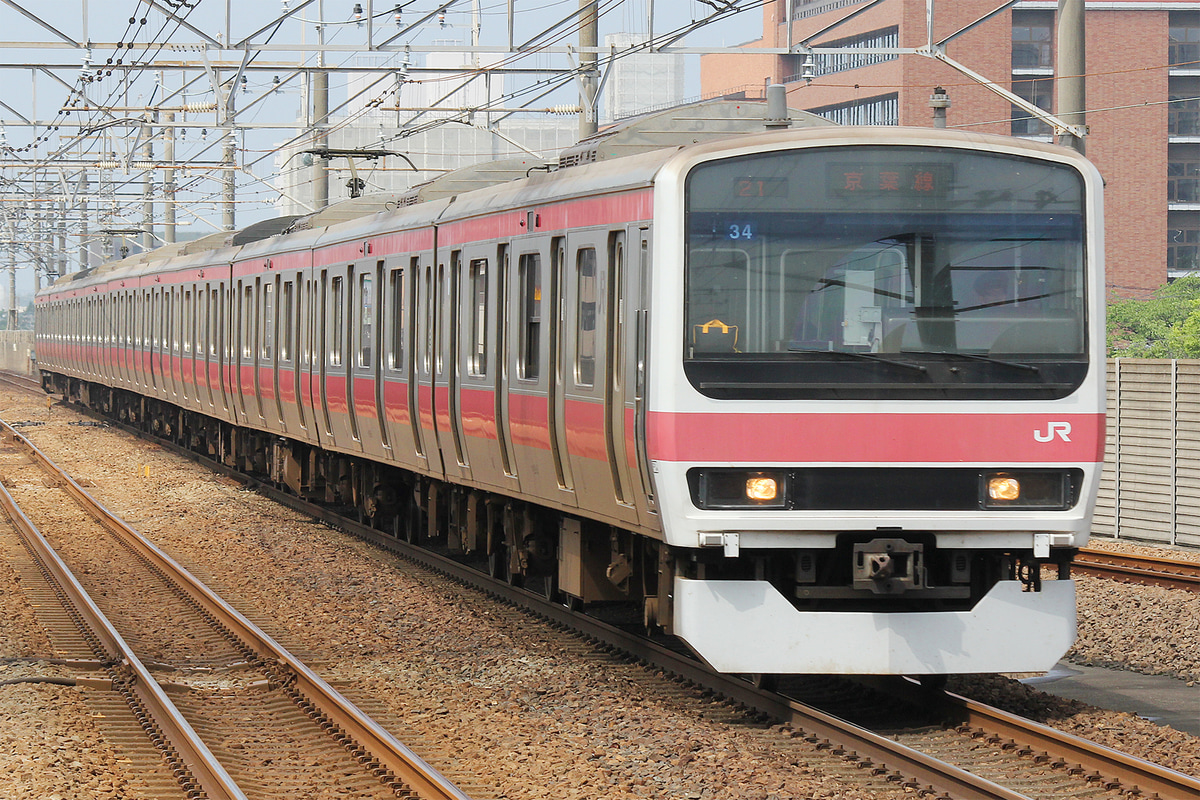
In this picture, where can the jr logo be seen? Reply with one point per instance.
(1062, 429)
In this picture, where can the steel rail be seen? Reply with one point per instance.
(180, 742)
(1150, 779)
(918, 769)
(1135, 568)
(22, 382)
(380, 747)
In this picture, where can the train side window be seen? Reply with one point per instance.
(214, 309)
(286, 299)
(438, 321)
(426, 329)
(396, 350)
(477, 358)
(337, 323)
(366, 296)
(268, 321)
(529, 279)
(585, 317)
(201, 321)
(187, 322)
(247, 336)
(176, 319)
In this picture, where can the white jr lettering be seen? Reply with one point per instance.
(1061, 429)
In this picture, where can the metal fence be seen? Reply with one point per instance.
(1150, 488)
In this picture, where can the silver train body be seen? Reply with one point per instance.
(815, 400)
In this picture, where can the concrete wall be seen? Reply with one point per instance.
(16, 351)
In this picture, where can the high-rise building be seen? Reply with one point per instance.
(641, 81)
(1142, 97)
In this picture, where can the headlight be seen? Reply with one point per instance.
(762, 489)
(1026, 489)
(738, 488)
(1005, 488)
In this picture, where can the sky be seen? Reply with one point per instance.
(56, 99)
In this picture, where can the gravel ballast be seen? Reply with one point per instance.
(487, 691)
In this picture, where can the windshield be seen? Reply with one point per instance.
(866, 258)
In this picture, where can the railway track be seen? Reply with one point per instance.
(1132, 568)
(1041, 761)
(268, 704)
(967, 751)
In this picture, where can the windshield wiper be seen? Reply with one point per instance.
(975, 357)
(854, 354)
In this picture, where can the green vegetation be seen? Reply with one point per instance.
(1166, 325)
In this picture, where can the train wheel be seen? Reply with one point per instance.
(413, 521)
(767, 681)
(935, 683)
(498, 563)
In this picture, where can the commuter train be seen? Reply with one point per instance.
(812, 399)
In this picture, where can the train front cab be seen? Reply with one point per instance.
(877, 413)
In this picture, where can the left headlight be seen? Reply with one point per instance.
(1026, 489)
(733, 488)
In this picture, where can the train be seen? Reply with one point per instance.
(808, 398)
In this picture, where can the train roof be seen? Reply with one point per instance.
(680, 126)
(473, 178)
(631, 152)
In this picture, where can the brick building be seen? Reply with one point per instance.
(1143, 98)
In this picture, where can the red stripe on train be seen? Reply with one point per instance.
(876, 438)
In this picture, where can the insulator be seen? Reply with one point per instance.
(107, 164)
(562, 109)
(198, 107)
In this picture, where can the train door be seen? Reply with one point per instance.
(155, 341)
(449, 373)
(174, 351)
(426, 366)
(529, 406)
(615, 398)
(503, 304)
(305, 325)
(268, 372)
(647, 506)
(590, 300)
(204, 333)
(324, 358)
(263, 343)
(163, 346)
(556, 386)
(414, 357)
(187, 361)
(370, 314)
(320, 312)
(384, 320)
(364, 352)
(312, 355)
(136, 329)
(398, 387)
(338, 380)
(243, 341)
(285, 353)
(216, 348)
